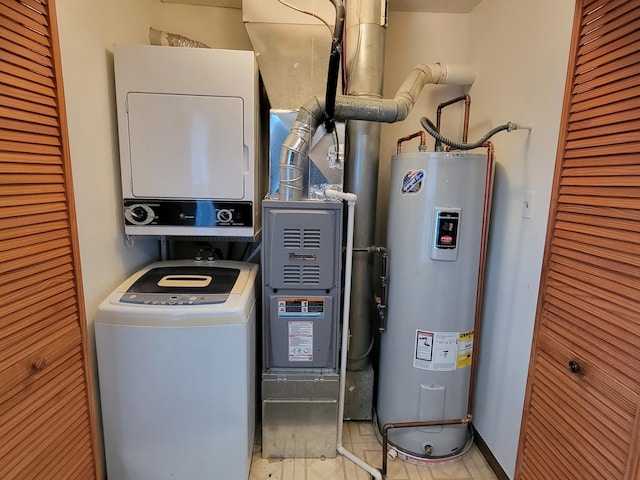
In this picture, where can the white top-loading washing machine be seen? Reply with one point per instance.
(176, 363)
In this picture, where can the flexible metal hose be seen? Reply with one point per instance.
(431, 130)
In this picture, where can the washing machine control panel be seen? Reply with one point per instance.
(170, 299)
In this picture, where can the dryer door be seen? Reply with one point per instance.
(186, 146)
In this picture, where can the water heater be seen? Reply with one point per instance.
(434, 237)
(188, 127)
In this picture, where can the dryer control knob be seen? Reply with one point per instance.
(224, 215)
(139, 214)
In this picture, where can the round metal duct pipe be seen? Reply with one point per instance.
(365, 42)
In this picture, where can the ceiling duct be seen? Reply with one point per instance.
(292, 48)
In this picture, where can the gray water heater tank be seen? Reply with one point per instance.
(434, 238)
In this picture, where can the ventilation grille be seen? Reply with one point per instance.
(301, 275)
(301, 238)
(311, 238)
(292, 238)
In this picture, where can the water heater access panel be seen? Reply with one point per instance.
(188, 126)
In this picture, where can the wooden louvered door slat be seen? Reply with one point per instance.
(47, 422)
(581, 415)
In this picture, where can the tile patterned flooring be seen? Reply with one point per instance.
(360, 439)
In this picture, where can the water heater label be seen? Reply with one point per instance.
(412, 181)
(424, 346)
(465, 349)
(442, 351)
(301, 341)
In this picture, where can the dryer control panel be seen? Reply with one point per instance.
(199, 213)
(188, 126)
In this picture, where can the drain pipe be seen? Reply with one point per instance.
(350, 198)
(295, 148)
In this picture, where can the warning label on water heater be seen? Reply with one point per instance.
(442, 351)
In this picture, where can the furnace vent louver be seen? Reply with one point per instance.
(301, 275)
(291, 274)
(301, 238)
(292, 238)
(311, 275)
(311, 238)
(302, 246)
(297, 240)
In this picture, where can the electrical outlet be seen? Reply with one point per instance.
(527, 204)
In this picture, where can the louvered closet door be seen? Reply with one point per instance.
(46, 413)
(581, 410)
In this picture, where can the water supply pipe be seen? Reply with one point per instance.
(423, 141)
(465, 128)
(351, 199)
(482, 265)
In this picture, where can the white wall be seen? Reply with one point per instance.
(520, 49)
(414, 38)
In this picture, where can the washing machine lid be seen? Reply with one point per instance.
(182, 286)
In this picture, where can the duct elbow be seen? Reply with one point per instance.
(404, 104)
(294, 153)
(436, 73)
(450, 74)
(310, 114)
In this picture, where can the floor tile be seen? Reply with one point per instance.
(265, 469)
(361, 432)
(360, 439)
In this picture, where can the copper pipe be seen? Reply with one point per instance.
(427, 423)
(467, 107)
(481, 272)
(423, 141)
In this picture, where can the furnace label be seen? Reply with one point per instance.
(436, 351)
(412, 182)
(300, 341)
(301, 307)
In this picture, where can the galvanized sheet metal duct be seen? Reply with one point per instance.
(292, 49)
